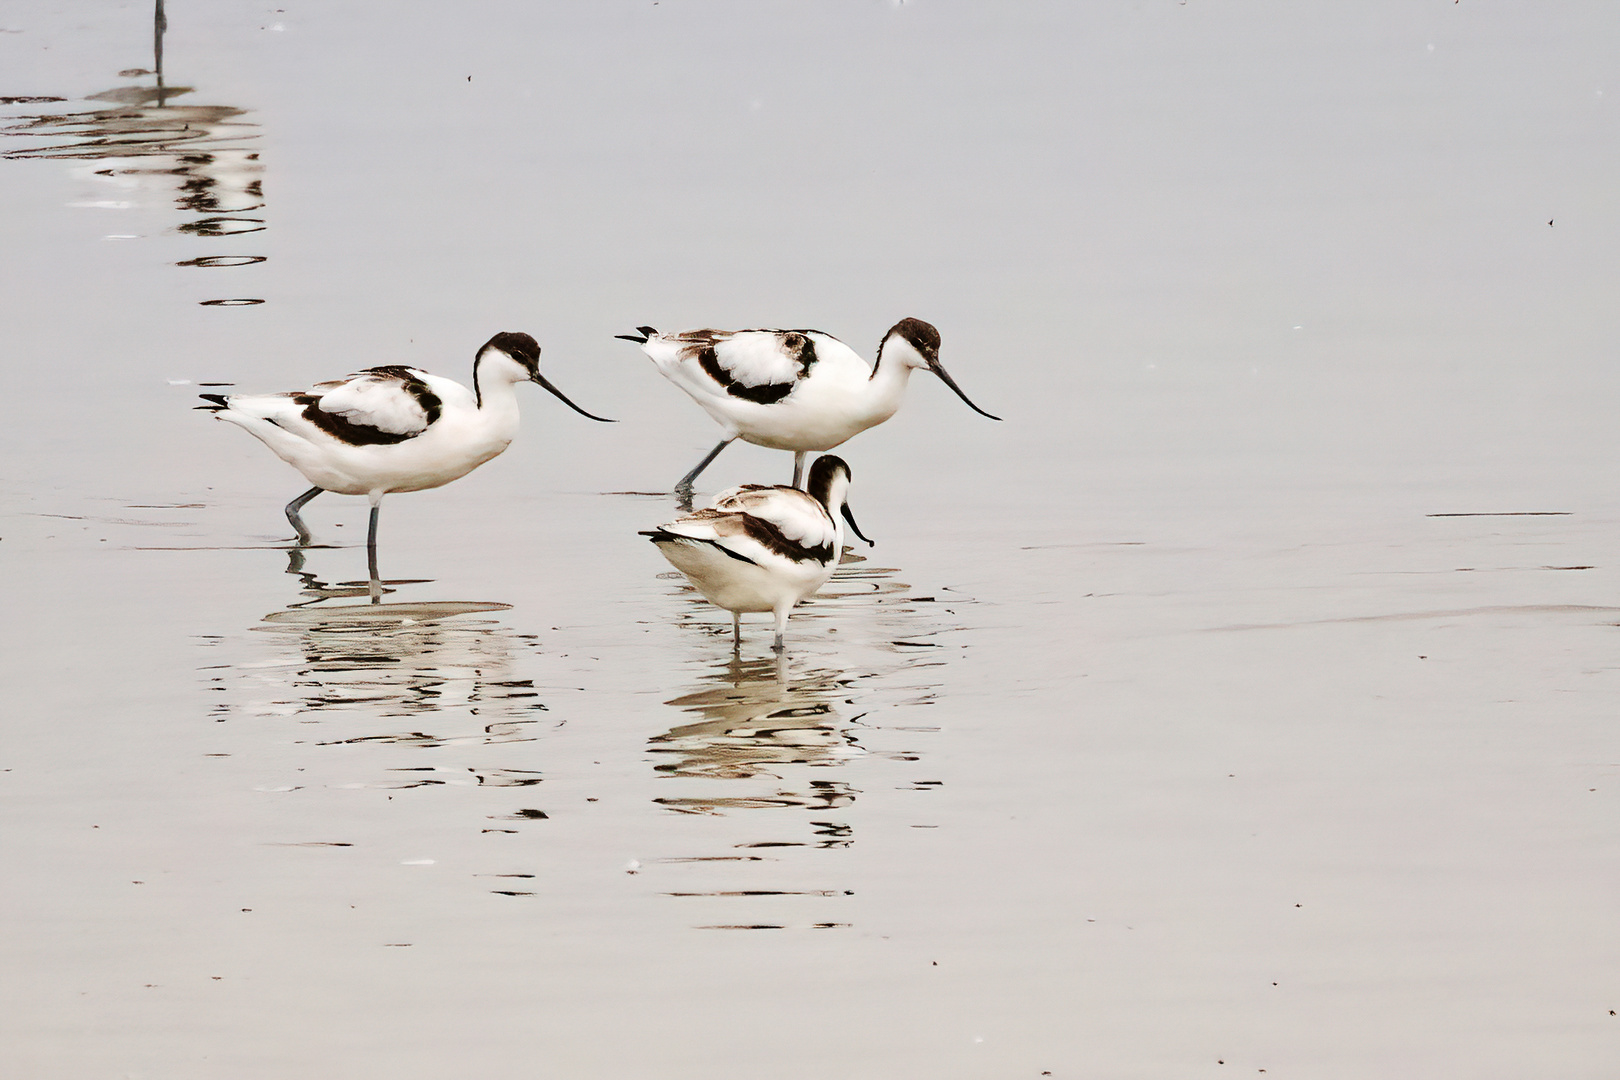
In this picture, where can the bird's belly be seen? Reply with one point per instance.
(803, 425)
(822, 411)
(738, 586)
(413, 465)
(418, 472)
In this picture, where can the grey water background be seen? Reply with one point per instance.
(1245, 702)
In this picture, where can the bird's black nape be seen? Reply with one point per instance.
(922, 336)
(822, 471)
(518, 345)
(514, 343)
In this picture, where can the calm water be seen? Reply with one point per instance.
(1244, 703)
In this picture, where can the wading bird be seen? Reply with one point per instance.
(391, 428)
(798, 390)
(764, 548)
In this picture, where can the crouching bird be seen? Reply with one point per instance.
(762, 547)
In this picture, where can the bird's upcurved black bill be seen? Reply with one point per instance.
(541, 379)
(849, 517)
(950, 382)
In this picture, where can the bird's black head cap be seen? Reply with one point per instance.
(922, 337)
(519, 346)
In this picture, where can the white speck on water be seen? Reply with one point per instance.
(178, 382)
(418, 862)
(121, 236)
(633, 866)
(1431, 46)
(103, 204)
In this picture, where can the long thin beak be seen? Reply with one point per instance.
(849, 517)
(950, 382)
(541, 379)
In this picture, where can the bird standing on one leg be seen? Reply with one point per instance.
(764, 548)
(799, 390)
(391, 428)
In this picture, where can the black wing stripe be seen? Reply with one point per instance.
(772, 539)
(768, 394)
(661, 536)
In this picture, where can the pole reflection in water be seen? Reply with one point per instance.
(207, 150)
(786, 747)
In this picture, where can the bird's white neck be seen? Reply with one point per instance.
(493, 380)
(888, 383)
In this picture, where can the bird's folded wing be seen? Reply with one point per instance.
(750, 358)
(394, 401)
(797, 516)
(704, 525)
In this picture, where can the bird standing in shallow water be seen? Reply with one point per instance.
(391, 428)
(764, 548)
(798, 390)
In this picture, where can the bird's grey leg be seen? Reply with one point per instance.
(371, 557)
(292, 513)
(798, 469)
(736, 630)
(685, 482)
(781, 628)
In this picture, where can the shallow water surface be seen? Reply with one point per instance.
(1241, 705)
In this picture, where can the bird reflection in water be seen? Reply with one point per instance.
(359, 669)
(784, 747)
(138, 133)
(758, 724)
(333, 694)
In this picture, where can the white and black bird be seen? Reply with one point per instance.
(763, 547)
(391, 428)
(799, 390)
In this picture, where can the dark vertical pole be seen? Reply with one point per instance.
(160, 23)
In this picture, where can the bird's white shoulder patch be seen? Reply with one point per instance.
(379, 400)
(761, 357)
